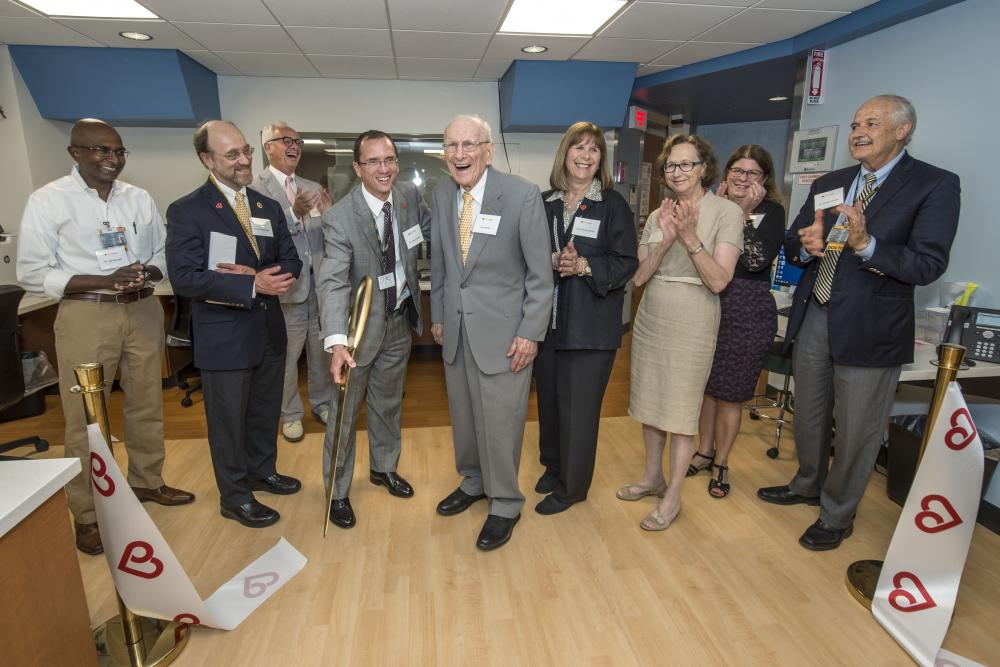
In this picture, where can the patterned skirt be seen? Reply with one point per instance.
(746, 330)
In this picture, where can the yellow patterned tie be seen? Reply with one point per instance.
(465, 225)
(243, 214)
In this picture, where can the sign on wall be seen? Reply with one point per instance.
(817, 74)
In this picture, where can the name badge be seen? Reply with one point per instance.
(829, 199)
(486, 224)
(413, 237)
(112, 258)
(386, 280)
(586, 227)
(261, 227)
(756, 219)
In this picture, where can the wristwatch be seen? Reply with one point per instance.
(586, 268)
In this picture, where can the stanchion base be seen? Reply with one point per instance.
(163, 642)
(862, 579)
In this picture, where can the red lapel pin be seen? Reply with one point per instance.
(583, 207)
(404, 204)
(218, 204)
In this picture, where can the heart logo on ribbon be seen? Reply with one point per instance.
(185, 621)
(140, 553)
(905, 601)
(255, 585)
(960, 435)
(99, 470)
(930, 521)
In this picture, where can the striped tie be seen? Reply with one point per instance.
(828, 264)
(465, 225)
(243, 215)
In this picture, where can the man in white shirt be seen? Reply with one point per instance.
(303, 202)
(373, 231)
(96, 243)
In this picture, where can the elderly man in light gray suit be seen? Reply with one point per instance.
(303, 202)
(491, 297)
(374, 231)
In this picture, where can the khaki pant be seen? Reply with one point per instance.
(129, 337)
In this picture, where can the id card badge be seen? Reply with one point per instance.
(413, 237)
(386, 280)
(115, 257)
(113, 239)
(261, 227)
(837, 238)
(587, 227)
(486, 224)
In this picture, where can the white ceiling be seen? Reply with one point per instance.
(451, 40)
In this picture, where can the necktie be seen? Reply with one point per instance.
(243, 215)
(290, 191)
(389, 255)
(465, 225)
(828, 264)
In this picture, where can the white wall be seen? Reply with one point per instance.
(727, 137)
(937, 62)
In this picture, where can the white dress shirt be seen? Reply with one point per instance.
(60, 232)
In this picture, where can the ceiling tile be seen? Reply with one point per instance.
(508, 47)
(649, 69)
(830, 5)
(491, 70)
(8, 8)
(342, 41)
(270, 64)
(249, 12)
(693, 52)
(447, 15)
(212, 61)
(453, 69)
(625, 50)
(717, 3)
(352, 67)
(165, 35)
(330, 13)
(240, 38)
(42, 32)
(768, 25)
(645, 20)
(419, 44)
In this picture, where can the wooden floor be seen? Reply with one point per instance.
(726, 584)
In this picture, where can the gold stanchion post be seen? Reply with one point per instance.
(355, 334)
(862, 575)
(127, 640)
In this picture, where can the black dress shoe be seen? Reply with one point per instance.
(547, 483)
(282, 485)
(252, 514)
(341, 513)
(395, 484)
(552, 505)
(783, 495)
(823, 537)
(457, 502)
(496, 532)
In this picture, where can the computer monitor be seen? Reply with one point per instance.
(785, 274)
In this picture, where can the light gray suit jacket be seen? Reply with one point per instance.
(311, 240)
(352, 251)
(505, 288)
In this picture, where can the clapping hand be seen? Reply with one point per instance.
(569, 261)
(305, 200)
(812, 237)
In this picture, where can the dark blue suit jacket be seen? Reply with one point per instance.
(913, 217)
(228, 323)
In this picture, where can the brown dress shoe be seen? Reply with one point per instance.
(165, 495)
(88, 538)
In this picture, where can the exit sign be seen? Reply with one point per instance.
(636, 118)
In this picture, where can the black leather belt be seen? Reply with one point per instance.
(123, 298)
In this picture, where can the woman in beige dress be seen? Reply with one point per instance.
(687, 255)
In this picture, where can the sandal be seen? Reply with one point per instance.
(716, 487)
(637, 491)
(695, 469)
(657, 520)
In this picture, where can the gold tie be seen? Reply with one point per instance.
(243, 214)
(465, 225)
(828, 264)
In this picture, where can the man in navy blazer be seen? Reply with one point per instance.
(852, 319)
(238, 331)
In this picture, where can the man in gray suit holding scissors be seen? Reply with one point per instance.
(374, 231)
(491, 297)
(303, 202)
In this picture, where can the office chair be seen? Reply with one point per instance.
(11, 373)
(780, 363)
(180, 338)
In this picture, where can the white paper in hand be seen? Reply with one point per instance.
(221, 250)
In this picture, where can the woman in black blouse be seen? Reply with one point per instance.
(749, 318)
(593, 243)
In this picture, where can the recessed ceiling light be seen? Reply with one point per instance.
(777, 98)
(535, 48)
(319, 142)
(560, 17)
(433, 151)
(110, 9)
(137, 36)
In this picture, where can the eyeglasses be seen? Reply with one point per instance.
(288, 141)
(467, 146)
(234, 154)
(389, 162)
(752, 174)
(685, 166)
(104, 151)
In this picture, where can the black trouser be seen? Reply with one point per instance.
(242, 409)
(570, 387)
